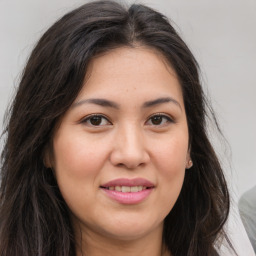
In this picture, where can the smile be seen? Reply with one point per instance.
(128, 191)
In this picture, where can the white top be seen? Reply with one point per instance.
(247, 209)
(238, 236)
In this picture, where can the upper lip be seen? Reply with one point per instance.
(128, 182)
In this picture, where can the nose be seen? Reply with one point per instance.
(129, 149)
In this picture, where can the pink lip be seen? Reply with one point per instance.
(128, 197)
(128, 182)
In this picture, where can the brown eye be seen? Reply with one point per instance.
(159, 120)
(156, 120)
(96, 120)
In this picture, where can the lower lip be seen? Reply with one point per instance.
(128, 198)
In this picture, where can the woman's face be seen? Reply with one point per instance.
(121, 150)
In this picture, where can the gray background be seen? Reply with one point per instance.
(220, 33)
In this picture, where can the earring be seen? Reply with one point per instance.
(189, 164)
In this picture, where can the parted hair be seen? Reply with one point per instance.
(34, 218)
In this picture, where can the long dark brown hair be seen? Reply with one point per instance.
(34, 218)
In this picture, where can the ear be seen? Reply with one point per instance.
(48, 157)
(46, 160)
(189, 162)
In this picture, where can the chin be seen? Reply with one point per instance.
(130, 235)
(132, 230)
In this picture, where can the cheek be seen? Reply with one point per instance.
(171, 156)
(78, 156)
(171, 163)
(76, 166)
(77, 163)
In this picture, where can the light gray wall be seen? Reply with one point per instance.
(221, 34)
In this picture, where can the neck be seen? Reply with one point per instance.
(93, 244)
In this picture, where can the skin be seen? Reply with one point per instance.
(127, 142)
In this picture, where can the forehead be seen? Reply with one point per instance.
(125, 71)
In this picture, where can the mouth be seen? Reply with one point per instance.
(128, 191)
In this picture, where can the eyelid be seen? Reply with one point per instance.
(167, 116)
(86, 118)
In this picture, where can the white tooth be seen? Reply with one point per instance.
(118, 188)
(139, 188)
(134, 189)
(144, 188)
(126, 189)
(111, 188)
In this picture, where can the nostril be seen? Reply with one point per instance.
(128, 157)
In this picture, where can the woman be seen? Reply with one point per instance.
(106, 147)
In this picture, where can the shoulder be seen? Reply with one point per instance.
(248, 200)
(237, 235)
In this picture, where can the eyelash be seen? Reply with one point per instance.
(162, 116)
(101, 117)
(88, 118)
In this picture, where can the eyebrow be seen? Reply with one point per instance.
(112, 104)
(160, 101)
(100, 102)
